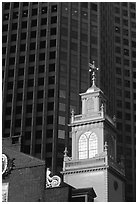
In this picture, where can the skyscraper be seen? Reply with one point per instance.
(46, 51)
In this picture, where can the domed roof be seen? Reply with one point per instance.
(92, 89)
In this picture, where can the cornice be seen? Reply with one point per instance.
(77, 171)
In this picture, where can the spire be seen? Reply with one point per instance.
(92, 71)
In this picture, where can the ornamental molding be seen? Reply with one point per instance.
(52, 182)
(7, 165)
(88, 126)
(4, 163)
(85, 170)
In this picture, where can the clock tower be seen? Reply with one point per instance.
(93, 163)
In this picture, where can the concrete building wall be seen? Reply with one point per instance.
(115, 189)
(95, 180)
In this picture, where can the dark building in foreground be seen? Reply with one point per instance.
(46, 51)
(24, 180)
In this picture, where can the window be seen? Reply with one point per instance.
(83, 147)
(21, 59)
(92, 145)
(20, 84)
(16, 5)
(7, 123)
(38, 134)
(43, 33)
(17, 122)
(22, 47)
(53, 19)
(25, 3)
(29, 95)
(25, 13)
(43, 21)
(3, 62)
(34, 12)
(27, 135)
(42, 44)
(40, 94)
(33, 34)
(49, 133)
(52, 55)
(31, 70)
(11, 60)
(51, 93)
(50, 119)
(38, 148)
(5, 27)
(42, 56)
(32, 46)
(23, 36)
(6, 6)
(13, 37)
(39, 107)
(117, 20)
(51, 67)
(53, 43)
(19, 96)
(93, 6)
(85, 5)
(15, 15)
(51, 80)
(40, 81)
(50, 106)
(53, 31)
(8, 110)
(4, 39)
(9, 97)
(34, 23)
(127, 94)
(6, 16)
(11, 73)
(88, 145)
(41, 68)
(29, 108)
(31, 58)
(24, 24)
(54, 8)
(10, 85)
(30, 82)
(44, 10)
(61, 120)
(28, 121)
(38, 120)
(13, 49)
(4, 50)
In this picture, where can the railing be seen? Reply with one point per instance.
(98, 161)
(93, 162)
(77, 118)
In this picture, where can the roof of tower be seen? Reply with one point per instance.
(93, 89)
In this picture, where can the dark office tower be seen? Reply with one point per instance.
(47, 48)
(125, 66)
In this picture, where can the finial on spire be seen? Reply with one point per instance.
(93, 69)
(65, 152)
(72, 115)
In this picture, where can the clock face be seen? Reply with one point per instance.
(115, 185)
(4, 163)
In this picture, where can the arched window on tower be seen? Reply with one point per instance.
(93, 145)
(83, 147)
(88, 145)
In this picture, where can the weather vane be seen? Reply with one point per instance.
(93, 70)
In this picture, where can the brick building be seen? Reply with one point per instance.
(26, 180)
